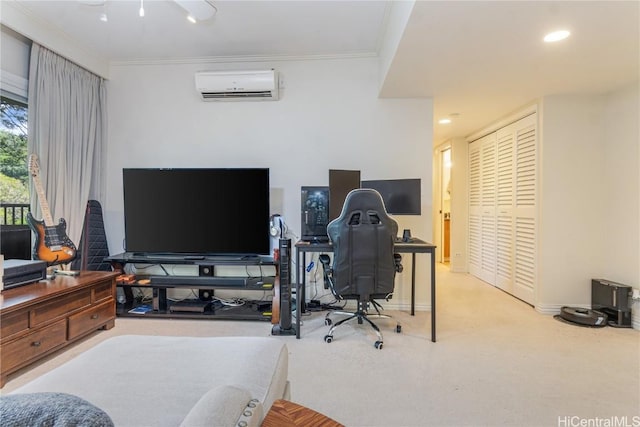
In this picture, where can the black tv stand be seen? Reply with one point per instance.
(203, 283)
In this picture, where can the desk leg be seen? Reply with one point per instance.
(433, 296)
(413, 283)
(298, 309)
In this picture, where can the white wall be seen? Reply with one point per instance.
(459, 204)
(589, 171)
(397, 18)
(329, 117)
(621, 177)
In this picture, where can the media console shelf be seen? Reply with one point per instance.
(203, 304)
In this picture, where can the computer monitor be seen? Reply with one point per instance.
(400, 196)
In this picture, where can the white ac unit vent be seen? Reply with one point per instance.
(258, 85)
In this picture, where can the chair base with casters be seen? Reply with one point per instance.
(362, 316)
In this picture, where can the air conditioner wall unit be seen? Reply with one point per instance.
(238, 85)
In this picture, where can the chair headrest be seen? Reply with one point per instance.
(363, 199)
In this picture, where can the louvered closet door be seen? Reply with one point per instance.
(475, 210)
(502, 208)
(482, 200)
(526, 188)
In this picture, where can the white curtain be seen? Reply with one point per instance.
(67, 130)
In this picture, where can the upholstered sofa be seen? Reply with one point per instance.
(165, 381)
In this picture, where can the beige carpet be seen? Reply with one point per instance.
(497, 362)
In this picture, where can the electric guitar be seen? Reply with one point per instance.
(52, 244)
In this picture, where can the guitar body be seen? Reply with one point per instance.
(52, 244)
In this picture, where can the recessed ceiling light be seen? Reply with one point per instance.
(444, 121)
(556, 36)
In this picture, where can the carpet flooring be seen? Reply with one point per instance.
(497, 362)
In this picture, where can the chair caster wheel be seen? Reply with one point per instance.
(398, 329)
(328, 338)
(327, 322)
(378, 345)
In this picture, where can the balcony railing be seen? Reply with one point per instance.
(13, 213)
(15, 235)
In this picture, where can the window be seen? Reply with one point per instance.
(14, 175)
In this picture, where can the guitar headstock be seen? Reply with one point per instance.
(34, 167)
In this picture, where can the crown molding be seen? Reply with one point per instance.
(244, 58)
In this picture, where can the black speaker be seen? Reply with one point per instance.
(284, 327)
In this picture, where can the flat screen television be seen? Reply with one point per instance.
(400, 196)
(197, 211)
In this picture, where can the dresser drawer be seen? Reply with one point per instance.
(31, 346)
(91, 319)
(58, 307)
(102, 291)
(13, 323)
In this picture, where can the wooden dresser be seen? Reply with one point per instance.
(40, 318)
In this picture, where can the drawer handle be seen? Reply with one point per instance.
(94, 316)
(36, 344)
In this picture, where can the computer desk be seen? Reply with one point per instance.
(415, 246)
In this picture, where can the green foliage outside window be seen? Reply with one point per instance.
(14, 174)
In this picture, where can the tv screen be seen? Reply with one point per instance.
(196, 211)
(401, 196)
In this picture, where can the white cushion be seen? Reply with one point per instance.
(156, 381)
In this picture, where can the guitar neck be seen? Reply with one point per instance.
(44, 205)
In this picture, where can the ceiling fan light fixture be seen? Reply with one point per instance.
(556, 36)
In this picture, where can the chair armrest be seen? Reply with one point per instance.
(397, 259)
(325, 260)
(327, 273)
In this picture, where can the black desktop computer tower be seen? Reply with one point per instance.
(314, 212)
